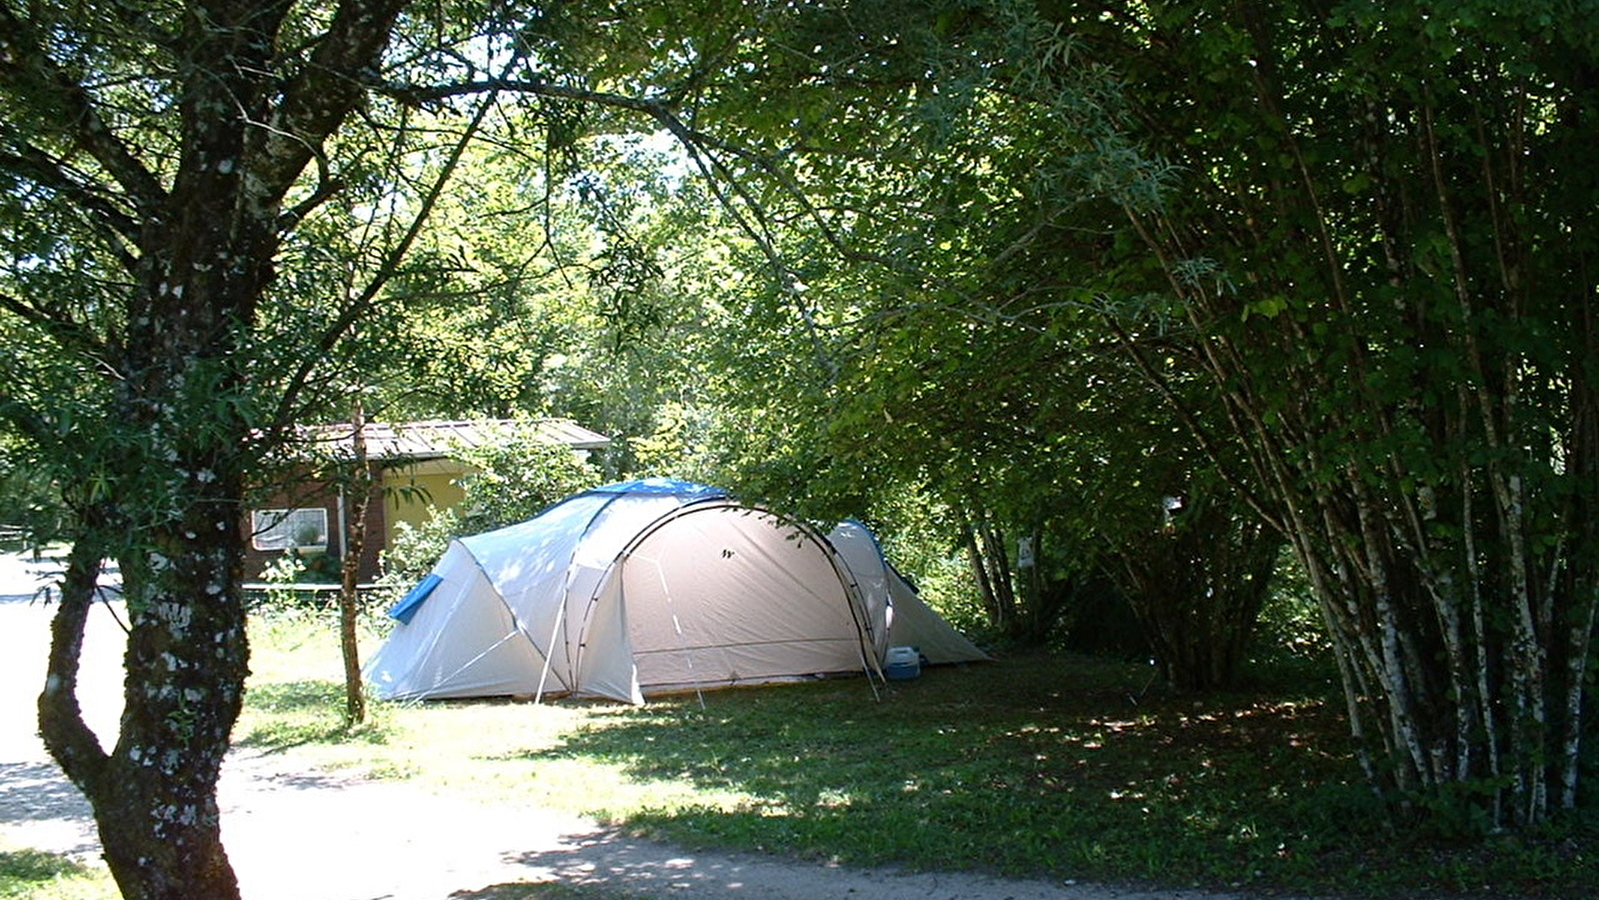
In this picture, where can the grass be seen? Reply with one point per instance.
(1040, 766)
(27, 874)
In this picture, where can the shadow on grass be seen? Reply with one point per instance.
(1037, 767)
(21, 868)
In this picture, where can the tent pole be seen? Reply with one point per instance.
(549, 655)
(871, 669)
(677, 625)
(857, 612)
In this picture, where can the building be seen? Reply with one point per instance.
(416, 471)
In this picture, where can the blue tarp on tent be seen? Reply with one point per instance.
(407, 607)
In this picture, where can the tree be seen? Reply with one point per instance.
(175, 189)
(1197, 584)
(163, 168)
(937, 337)
(1377, 223)
(1369, 227)
(30, 511)
(589, 321)
(359, 487)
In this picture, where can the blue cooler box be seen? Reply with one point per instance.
(902, 663)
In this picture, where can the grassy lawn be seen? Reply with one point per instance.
(1032, 766)
(26, 874)
(1044, 766)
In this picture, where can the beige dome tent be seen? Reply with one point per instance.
(652, 586)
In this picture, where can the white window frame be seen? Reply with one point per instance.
(275, 529)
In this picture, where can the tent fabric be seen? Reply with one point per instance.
(649, 586)
(911, 622)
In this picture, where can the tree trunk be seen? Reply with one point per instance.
(991, 585)
(174, 518)
(359, 492)
(996, 562)
(179, 211)
(154, 794)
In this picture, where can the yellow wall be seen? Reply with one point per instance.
(434, 477)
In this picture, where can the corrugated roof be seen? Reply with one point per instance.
(438, 438)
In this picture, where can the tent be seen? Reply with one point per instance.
(651, 586)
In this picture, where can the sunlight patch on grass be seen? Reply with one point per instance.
(28, 874)
(283, 715)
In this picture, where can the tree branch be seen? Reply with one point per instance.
(117, 226)
(320, 97)
(1192, 422)
(29, 75)
(59, 324)
(361, 305)
(68, 738)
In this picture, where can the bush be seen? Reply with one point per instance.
(517, 480)
(414, 550)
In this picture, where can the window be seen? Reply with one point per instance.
(284, 529)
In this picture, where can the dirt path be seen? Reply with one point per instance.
(296, 835)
